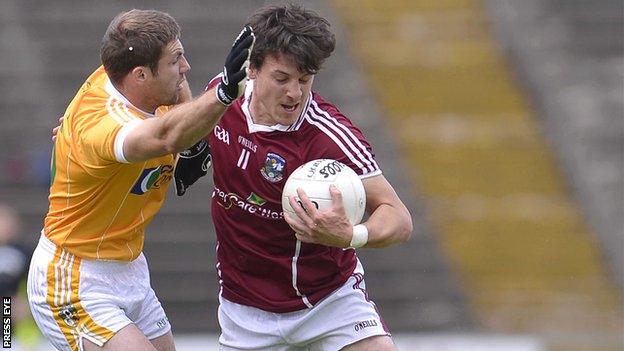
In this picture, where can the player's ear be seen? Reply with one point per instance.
(252, 72)
(140, 73)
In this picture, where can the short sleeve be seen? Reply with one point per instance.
(96, 139)
(341, 140)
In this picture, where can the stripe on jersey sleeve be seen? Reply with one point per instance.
(353, 141)
(338, 142)
(121, 138)
(116, 113)
(119, 112)
(353, 148)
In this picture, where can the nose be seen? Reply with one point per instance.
(185, 66)
(294, 91)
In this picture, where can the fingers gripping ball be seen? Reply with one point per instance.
(316, 176)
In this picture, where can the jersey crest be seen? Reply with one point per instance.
(273, 168)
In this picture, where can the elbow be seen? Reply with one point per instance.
(175, 139)
(168, 145)
(405, 233)
(170, 148)
(161, 142)
(402, 228)
(174, 143)
(406, 227)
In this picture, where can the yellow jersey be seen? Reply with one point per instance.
(99, 203)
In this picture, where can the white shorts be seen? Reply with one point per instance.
(72, 299)
(342, 318)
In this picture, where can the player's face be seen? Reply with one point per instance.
(166, 85)
(280, 91)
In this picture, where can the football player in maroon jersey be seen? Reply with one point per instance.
(290, 282)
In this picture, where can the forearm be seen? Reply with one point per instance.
(184, 125)
(388, 225)
(177, 130)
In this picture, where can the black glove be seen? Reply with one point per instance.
(192, 164)
(235, 70)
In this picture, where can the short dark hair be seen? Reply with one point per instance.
(136, 38)
(294, 31)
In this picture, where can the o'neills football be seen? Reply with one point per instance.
(316, 176)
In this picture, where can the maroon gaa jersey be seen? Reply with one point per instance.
(260, 263)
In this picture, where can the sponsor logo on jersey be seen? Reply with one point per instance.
(152, 178)
(273, 169)
(255, 199)
(365, 324)
(247, 143)
(222, 134)
(229, 200)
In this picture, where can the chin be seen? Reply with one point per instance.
(288, 118)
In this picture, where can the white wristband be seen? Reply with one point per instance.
(360, 236)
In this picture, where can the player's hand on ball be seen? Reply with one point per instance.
(329, 227)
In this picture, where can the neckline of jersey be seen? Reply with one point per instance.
(111, 90)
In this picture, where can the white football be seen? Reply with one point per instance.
(316, 176)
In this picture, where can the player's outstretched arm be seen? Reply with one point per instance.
(185, 124)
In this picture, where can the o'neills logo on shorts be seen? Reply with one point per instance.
(365, 324)
(162, 323)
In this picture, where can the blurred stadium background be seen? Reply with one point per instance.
(500, 122)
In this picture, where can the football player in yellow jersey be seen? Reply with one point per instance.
(88, 282)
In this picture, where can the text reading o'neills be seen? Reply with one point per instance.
(6, 322)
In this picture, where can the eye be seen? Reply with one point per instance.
(281, 80)
(176, 59)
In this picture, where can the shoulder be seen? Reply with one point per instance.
(102, 106)
(338, 138)
(320, 106)
(326, 117)
(94, 102)
(102, 116)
